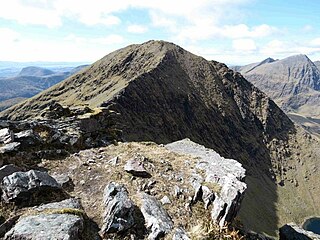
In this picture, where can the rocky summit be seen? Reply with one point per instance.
(98, 127)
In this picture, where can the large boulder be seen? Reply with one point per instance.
(119, 209)
(221, 183)
(291, 231)
(59, 220)
(157, 219)
(31, 188)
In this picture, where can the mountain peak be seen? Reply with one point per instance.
(299, 58)
(35, 71)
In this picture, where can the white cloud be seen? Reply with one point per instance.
(244, 45)
(315, 42)
(137, 28)
(7, 35)
(25, 13)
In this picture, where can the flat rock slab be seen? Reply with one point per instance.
(60, 220)
(136, 167)
(30, 188)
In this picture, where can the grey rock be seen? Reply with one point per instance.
(177, 191)
(291, 231)
(64, 181)
(8, 170)
(165, 200)
(156, 217)
(6, 136)
(180, 234)
(227, 175)
(119, 209)
(50, 221)
(28, 188)
(114, 161)
(136, 167)
(9, 147)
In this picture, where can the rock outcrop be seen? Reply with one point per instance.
(30, 188)
(31, 140)
(227, 177)
(119, 210)
(59, 220)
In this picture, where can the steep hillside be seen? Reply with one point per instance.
(293, 82)
(317, 63)
(163, 93)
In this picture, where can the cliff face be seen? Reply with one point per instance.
(163, 93)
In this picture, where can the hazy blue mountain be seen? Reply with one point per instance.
(30, 81)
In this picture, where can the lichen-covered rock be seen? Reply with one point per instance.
(30, 188)
(157, 219)
(291, 231)
(59, 220)
(119, 209)
(222, 184)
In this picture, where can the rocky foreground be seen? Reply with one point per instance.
(134, 190)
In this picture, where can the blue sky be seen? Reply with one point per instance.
(229, 31)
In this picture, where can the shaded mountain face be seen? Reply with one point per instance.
(293, 82)
(163, 93)
(317, 63)
(29, 82)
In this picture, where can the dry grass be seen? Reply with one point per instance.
(207, 230)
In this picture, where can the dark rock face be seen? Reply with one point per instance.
(119, 210)
(59, 220)
(30, 188)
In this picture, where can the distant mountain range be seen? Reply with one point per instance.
(293, 83)
(30, 81)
